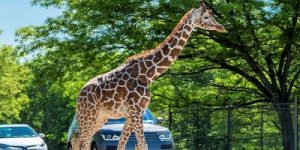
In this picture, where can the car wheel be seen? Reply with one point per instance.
(94, 146)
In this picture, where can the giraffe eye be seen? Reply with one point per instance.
(205, 17)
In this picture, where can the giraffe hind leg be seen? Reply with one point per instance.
(139, 132)
(87, 128)
(127, 130)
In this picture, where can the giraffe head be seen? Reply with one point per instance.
(203, 19)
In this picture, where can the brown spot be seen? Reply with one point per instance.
(93, 88)
(181, 43)
(113, 85)
(138, 109)
(104, 99)
(78, 107)
(98, 92)
(143, 68)
(91, 98)
(185, 35)
(129, 70)
(142, 80)
(178, 34)
(150, 72)
(94, 111)
(166, 49)
(165, 62)
(150, 57)
(135, 71)
(93, 119)
(144, 103)
(161, 70)
(188, 28)
(98, 105)
(102, 85)
(88, 88)
(108, 93)
(149, 64)
(171, 39)
(175, 52)
(133, 96)
(83, 93)
(122, 91)
(108, 104)
(131, 84)
(141, 90)
(133, 62)
(114, 79)
(117, 105)
(122, 82)
(119, 75)
(174, 42)
(181, 27)
(90, 106)
(158, 56)
(118, 97)
(131, 102)
(125, 76)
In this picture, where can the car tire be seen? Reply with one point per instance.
(94, 147)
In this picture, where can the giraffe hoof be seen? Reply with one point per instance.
(141, 147)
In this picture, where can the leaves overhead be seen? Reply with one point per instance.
(255, 61)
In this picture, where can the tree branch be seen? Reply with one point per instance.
(285, 58)
(193, 72)
(271, 71)
(237, 70)
(251, 103)
(248, 58)
(295, 78)
(237, 89)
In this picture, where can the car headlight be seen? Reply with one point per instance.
(42, 144)
(164, 135)
(109, 136)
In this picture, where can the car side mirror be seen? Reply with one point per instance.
(42, 135)
(160, 120)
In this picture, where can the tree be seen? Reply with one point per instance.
(255, 61)
(14, 79)
(261, 47)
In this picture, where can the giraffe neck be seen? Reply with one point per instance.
(159, 59)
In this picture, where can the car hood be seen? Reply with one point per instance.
(21, 141)
(147, 127)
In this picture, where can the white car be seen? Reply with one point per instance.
(20, 137)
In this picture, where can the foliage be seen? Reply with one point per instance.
(13, 81)
(255, 61)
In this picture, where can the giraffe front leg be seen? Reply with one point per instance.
(139, 132)
(127, 130)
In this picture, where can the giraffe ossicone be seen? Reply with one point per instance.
(123, 92)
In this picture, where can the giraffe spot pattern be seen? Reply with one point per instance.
(124, 91)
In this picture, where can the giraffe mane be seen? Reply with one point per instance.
(148, 52)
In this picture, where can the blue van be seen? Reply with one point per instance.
(107, 138)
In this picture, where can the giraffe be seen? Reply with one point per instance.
(123, 92)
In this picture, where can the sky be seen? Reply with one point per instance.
(15, 14)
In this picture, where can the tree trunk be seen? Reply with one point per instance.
(286, 124)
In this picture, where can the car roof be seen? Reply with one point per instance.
(14, 125)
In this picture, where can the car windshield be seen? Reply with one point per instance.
(148, 118)
(17, 132)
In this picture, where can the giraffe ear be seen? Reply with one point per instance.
(201, 3)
